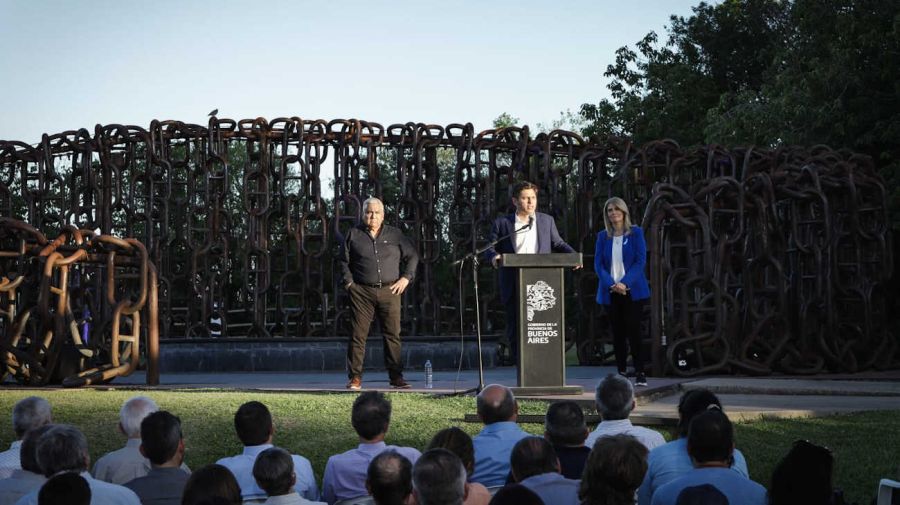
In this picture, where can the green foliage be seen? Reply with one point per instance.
(505, 120)
(765, 73)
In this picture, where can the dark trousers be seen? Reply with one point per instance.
(625, 318)
(366, 303)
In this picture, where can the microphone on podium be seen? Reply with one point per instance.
(530, 222)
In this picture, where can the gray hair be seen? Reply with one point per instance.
(614, 397)
(439, 478)
(63, 448)
(30, 413)
(370, 200)
(133, 412)
(626, 220)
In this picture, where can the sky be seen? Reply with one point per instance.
(72, 64)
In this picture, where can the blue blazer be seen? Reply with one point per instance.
(634, 256)
(548, 241)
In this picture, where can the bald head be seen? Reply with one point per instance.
(496, 404)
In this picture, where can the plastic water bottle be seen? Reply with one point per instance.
(429, 375)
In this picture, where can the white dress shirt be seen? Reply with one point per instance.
(18, 485)
(650, 438)
(617, 266)
(526, 240)
(242, 468)
(9, 460)
(102, 493)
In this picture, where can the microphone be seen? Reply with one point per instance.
(530, 222)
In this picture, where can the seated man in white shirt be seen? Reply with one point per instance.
(614, 398)
(345, 473)
(254, 427)
(65, 449)
(30, 476)
(127, 463)
(28, 414)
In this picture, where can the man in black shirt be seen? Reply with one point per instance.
(371, 259)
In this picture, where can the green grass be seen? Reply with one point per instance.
(866, 445)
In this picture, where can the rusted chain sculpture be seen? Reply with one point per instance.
(71, 307)
(760, 260)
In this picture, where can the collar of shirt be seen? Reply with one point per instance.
(614, 424)
(16, 445)
(499, 427)
(133, 443)
(373, 448)
(544, 478)
(255, 450)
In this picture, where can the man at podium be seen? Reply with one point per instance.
(524, 232)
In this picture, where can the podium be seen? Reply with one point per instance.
(541, 367)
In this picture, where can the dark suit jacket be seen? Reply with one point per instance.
(548, 241)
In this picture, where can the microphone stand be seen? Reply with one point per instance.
(461, 262)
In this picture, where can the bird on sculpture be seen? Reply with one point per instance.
(214, 112)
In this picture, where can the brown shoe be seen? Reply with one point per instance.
(355, 384)
(399, 383)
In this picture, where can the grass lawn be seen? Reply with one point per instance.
(866, 445)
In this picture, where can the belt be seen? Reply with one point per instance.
(377, 284)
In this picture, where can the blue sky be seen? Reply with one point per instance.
(68, 65)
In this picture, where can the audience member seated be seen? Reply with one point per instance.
(345, 474)
(127, 463)
(211, 485)
(704, 495)
(29, 477)
(804, 475)
(711, 444)
(498, 410)
(389, 479)
(670, 461)
(535, 466)
(67, 488)
(516, 494)
(254, 427)
(564, 427)
(439, 478)
(459, 442)
(614, 398)
(613, 472)
(28, 414)
(274, 473)
(162, 444)
(64, 448)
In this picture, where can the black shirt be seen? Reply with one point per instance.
(367, 260)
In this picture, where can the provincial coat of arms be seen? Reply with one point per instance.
(539, 297)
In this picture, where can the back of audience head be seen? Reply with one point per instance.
(439, 478)
(458, 442)
(693, 402)
(28, 449)
(564, 424)
(615, 469)
(515, 494)
(371, 415)
(63, 448)
(804, 475)
(274, 471)
(532, 456)
(496, 403)
(253, 423)
(161, 438)
(614, 397)
(704, 494)
(389, 478)
(711, 438)
(30, 413)
(211, 484)
(133, 411)
(67, 488)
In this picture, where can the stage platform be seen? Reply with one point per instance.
(744, 398)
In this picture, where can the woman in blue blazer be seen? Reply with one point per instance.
(619, 259)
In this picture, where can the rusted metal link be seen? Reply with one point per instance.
(759, 260)
(71, 307)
